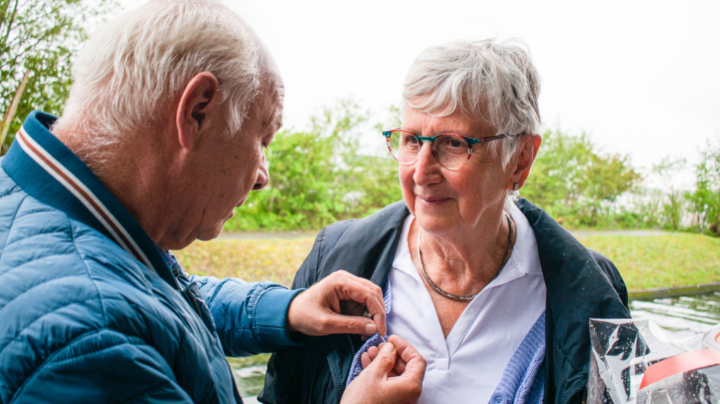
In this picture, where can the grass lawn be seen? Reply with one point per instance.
(274, 260)
(661, 261)
(644, 262)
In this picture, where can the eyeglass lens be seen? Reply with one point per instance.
(451, 151)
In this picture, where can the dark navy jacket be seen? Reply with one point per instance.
(581, 284)
(90, 310)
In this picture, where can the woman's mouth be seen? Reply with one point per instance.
(432, 200)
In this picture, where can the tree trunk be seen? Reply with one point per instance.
(10, 113)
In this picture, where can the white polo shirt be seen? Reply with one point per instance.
(468, 365)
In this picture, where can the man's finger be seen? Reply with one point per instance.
(377, 312)
(371, 297)
(340, 324)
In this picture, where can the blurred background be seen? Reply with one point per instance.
(629, 99)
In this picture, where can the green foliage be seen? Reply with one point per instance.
(320, 176)
(705, 199)
(674, 201)
(577, 184)
(327, 174)
(42, 36)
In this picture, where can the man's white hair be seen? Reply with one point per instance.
(135, 66)
(488, 81)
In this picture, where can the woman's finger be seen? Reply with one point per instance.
(413, 362)
(365, 360)
(373, 351)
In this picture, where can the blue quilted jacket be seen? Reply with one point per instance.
(92, 311)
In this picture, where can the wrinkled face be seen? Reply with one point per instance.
(237, 164)
(447, 201)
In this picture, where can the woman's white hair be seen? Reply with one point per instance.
(135, 66)
(488, 81)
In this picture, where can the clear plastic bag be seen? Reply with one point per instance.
(639, 362)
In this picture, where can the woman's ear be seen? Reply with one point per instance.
(196, 109)
(528, 151)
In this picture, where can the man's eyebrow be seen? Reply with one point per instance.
(278, 120)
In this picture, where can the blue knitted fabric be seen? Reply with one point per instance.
(375, 340)
(523, 381)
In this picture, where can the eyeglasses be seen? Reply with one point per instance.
(450, 150)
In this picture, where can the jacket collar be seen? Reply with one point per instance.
(372, 244)
(578, 288)
(51, 173)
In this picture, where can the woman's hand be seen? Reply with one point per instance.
(377, 385)
(372, 353)
(317, 311)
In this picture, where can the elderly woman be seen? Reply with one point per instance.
(491, 291)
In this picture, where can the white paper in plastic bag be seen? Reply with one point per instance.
(639, 362)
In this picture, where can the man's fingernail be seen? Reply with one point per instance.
(371, 329)
(388, 348)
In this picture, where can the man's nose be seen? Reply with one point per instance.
(263, 175)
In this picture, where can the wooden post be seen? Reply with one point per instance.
(10, 113)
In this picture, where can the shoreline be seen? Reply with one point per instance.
(677, 291)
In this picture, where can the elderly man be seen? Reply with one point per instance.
(161, 138)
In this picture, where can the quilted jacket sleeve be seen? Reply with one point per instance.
(116, 369)
(250, 318)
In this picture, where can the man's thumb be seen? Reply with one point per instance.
(384, 362)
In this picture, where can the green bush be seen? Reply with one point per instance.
(326, 174)
(576, 183)
(321, 176)
(704, 200)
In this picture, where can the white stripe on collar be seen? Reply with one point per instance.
(83, 194)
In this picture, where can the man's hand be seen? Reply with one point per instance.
(376, 385)
(317, 311)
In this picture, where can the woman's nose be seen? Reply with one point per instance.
(427, 169)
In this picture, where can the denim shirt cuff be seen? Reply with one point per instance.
(270, 320)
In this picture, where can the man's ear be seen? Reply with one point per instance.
(198, 102)
(528, 151)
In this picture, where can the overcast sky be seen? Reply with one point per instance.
(641, 77)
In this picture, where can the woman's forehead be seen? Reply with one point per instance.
(417, 121)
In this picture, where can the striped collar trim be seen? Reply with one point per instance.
(83, 194)
(48, 171)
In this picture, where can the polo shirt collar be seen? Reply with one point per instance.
(51, 173)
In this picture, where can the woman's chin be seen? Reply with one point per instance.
(436, 209)
(435, 223)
